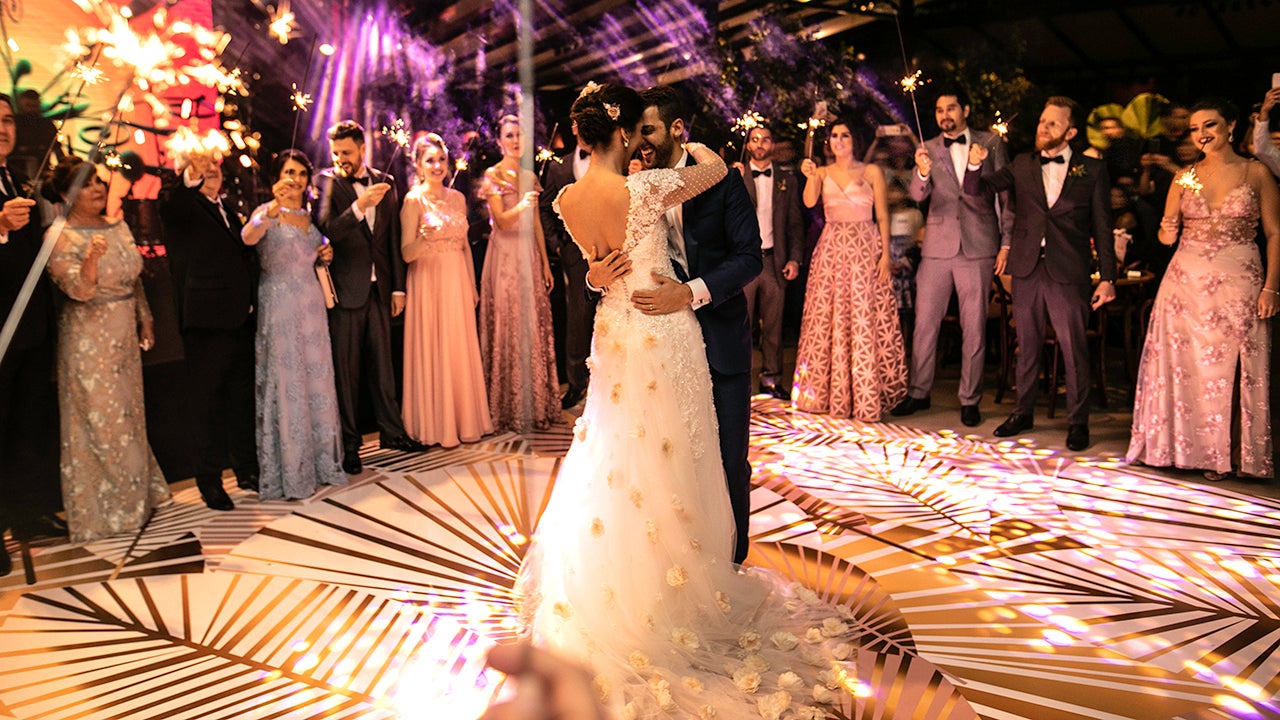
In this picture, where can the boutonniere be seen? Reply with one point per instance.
(1077, 171)
(782, 185)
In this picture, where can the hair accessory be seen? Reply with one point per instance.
(612, 110)
(589, 88)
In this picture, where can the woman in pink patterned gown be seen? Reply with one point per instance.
(1204, 368)
(516, 338)
(851, 361)
(444, 392)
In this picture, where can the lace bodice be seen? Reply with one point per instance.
(853, 203)
(1208, 230)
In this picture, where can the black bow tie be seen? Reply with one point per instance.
(360, 181)
(767, 172)
(948, 142)
(583, 154)
(1045, 160)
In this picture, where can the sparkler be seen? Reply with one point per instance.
(544, 154)
(911, 81)
(1189, 180)
(1001, 126)
(815, 121)
(398, 133)
(301, 100)
(282, 24)
(749, 121)
(88, 74)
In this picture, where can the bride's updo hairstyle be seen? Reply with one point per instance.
(601, 109)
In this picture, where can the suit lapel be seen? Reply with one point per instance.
(1070, 179)
(942, 153)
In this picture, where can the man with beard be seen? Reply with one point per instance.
(714, 242)
(960, 241)
(776, 195)
(359, 213)
(1060, 200)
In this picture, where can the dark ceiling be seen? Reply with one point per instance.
(1077, 42)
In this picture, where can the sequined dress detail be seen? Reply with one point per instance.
(110, 479)
(1204, 326)
(516, 337)
(630, 569)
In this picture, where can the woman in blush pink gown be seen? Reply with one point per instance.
(1204, 375)
(851, 361)
(445, 402)
(516, 338)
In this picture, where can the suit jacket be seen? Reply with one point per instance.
(16, 257)
(559, 176)
(722, 245)
(215, 275)
(959, 223)
(1082, 212)
(788, 221)
(358, 251)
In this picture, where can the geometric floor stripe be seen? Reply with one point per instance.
(986, 580)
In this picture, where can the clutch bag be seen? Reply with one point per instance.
(326, 285)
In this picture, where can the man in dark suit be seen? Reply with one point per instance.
(580, 310)
(360, 215)
(776, 195)
(714, 242)
(960, 241)
(30, 490)
(215, 281)
(1061, 199)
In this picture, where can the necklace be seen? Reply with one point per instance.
(299, 212)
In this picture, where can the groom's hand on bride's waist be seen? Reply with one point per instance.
(669, 296)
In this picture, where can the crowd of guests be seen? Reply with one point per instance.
(285, 316)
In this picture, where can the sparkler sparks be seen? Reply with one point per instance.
(301, 100)
(460, 165)
(88, 74)
(1189, 180)
(749, 121)
(1001, 126)
(282, 24)
(544, 155)
(911, 83)
(185, 143)
(397, 133)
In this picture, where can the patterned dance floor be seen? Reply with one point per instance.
(996, 581)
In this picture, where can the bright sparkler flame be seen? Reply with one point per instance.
(397, 133)
(544, 155)
(301, 100)
(186, 142)
(1189, 180)
(748, 122)
(282, 24)
(88, 74)
(460, 165)
(911, 83)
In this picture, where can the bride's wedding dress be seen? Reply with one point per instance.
(630, 569)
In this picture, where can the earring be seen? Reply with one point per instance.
(1231, 136)
(625, 143)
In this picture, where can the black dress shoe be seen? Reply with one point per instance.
(970, 416)
(45, 526)
(1014, 425)
(910, 405)
(351, 463)
(571, 398)
(6, 562)
(217, 499)
(1077, 436)
(778, 392)
(404, 443)
(247, 481)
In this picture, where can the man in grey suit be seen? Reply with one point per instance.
(961, 237)
(775, 193)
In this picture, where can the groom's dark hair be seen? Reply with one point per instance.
(670, 105)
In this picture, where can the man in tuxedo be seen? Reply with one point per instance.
(580, 310)
(215, 278)
(1061, 199)
(30, 489)
(714, 241)
(360, 215)
(775, 193)
(960, 241)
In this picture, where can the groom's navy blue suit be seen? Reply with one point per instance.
(722, 245)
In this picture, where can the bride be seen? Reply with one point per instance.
(630, 570)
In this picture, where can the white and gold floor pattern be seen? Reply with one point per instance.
(995, 581)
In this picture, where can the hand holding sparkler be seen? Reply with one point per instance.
(924, 162)
(977, 153)
(16, 213)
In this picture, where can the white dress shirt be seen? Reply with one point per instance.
(764, 204)
(960, 154)
(675, 245)
(1055, 175)
(369, 216)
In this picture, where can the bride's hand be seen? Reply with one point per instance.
(607, 270)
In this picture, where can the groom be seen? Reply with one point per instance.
(714, 242)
